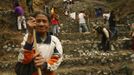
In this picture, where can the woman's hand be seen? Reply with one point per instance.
(31, 23)
(39, 60)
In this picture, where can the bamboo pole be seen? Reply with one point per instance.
(36, 51)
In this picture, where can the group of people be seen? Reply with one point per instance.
(21, 20)
(108, 32)
(49, 55)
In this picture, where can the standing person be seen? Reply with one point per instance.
(29, 4)
(65, 4)
(53, 12)
(55, 25)
(98, 12)
(105, 37)
(15, 3)
(82, 22)
(49, 47)
(112, 24)
(47, 9)
(20, 17)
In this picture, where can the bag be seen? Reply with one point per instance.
(24, 69)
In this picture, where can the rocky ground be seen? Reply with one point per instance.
(81, 57)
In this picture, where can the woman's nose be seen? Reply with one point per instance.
(41, 23)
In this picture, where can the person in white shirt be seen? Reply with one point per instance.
(82, 22)
(106, 18)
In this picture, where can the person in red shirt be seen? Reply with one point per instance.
(55, 26)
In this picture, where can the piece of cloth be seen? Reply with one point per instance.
(54, 22)
(81, 18)
(55, 26)
(73, 15)
(106, 15)
(112, 24)
(19, 11)
(106, 32)
(55, 29)
(83, 27)
(21, 21)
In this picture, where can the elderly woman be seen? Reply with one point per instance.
(49, 48)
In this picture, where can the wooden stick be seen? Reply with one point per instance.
(36, 51)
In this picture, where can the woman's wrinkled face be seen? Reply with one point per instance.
(42, 23)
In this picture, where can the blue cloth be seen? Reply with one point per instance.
(28, 46)
(98, 12)
(19, 10)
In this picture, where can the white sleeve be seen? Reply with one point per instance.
(24, 39)
(21, 56)
(59, 52)
(106, 32)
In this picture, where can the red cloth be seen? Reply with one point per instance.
(54, 22)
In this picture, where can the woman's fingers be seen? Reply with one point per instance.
(31, 22)
(39, 60)
(36, 54)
